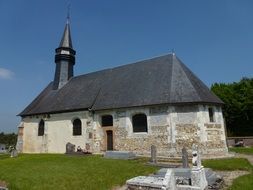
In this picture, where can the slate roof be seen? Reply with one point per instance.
(160, 80)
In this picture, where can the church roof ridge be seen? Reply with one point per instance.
(156, 81)
(126, 64)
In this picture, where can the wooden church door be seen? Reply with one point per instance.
(109, 134)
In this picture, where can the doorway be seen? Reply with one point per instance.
(109, 135)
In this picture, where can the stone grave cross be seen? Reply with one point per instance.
(185, 158)
(153, 154)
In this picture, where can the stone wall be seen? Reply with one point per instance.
(169, 128)
(127, 140)
(193, 126)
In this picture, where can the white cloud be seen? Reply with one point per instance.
(5, 73)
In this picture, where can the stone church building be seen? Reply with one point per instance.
(158, 102)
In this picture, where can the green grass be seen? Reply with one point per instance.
(50, 171)
(242, 150)
(4, 156)
(228, 164)
(244, 182)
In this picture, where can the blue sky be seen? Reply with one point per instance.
(214, 38)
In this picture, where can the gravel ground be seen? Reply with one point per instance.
(229, 176)
(249, 157)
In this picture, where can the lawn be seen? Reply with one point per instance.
(242, 150)
(228, 164)
(244, 182)
(54, 171)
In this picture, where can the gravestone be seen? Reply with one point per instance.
(70, 148)
(153, 154)
(14, 153)
(87, 147)
(185, 158)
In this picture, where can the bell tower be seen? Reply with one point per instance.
(64, 59)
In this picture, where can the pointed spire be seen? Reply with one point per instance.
(66, 38)
(64, 58)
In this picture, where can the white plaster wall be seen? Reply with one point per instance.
(32, 143)
(58, 132)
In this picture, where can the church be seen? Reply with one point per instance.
(157, 101)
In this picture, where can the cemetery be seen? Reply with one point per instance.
(121, 170)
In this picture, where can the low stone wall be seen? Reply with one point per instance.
(248, 141)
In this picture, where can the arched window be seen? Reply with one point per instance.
(107, 120)
(77, 127)
(140, 123)
(41, 128)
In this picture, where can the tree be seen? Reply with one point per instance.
(8, 139)
(238, 108)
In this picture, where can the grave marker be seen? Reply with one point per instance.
(153, 154)
(70, 148)
(185, 158)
